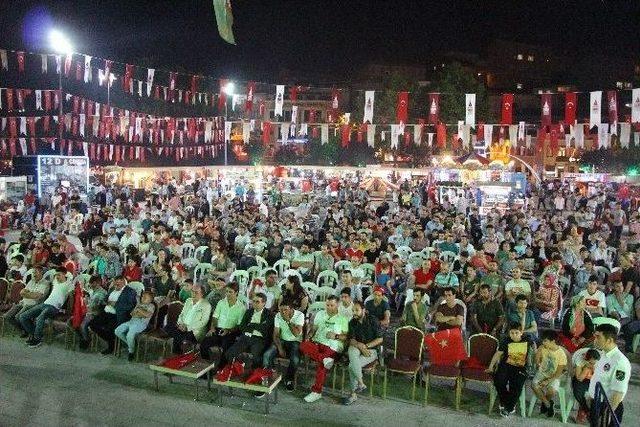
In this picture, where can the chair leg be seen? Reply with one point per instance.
(492, 397)
(413, 389)
(532, 404)
(384, 385)
(371, 386)
(523, 403)
(426, 389)
(458, 386)
(342, 378)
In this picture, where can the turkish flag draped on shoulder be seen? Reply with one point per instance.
(507, 109)
(445, 347)
(570, 103)
(402, 110)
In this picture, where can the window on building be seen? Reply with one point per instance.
(519, 86)
(530, 58)
(619, 85)
(519, 57)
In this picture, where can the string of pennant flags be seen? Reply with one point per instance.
(121, 129)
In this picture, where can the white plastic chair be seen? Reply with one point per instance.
(327, 278)
(292, 272)
(281, 266)
(241, 277)
(199, 252)
(255, 272)
(201, 269)
(404, 252)
(311, 289)
(342, 265)
(447, 256)
(323, 292)
(262, 263)
(188, 250)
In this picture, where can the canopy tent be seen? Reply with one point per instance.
(377, 184)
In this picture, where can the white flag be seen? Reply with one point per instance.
(527, 141)
(23, 145)
(246, 132)
(252, 125)
(324, 134)
(369, 97)
(140, 88)
(430, 139)
(284, 131)
(43, 58)
(347, 117)
(603, 135)
(395, 135)
(23, 125)
(38, 100)
(521, 131)
(488, 135)
(227, 131)
(513, 134)
(579, 135)
(150, 74)
(371, 135)
(417, 134)
(87, 68)
(85, 148)
(82, 124)
(304, 129)
(636, 138)
(595, 108)
(470, 108)
(613, 128)
(294, 114)
(58, 64)
(635, 105)
(625, 134)
(3, 59)
(279, 100)
(460, 131)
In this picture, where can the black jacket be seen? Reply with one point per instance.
(265, 327)
(125, 304)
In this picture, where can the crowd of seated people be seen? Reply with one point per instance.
(328, 273)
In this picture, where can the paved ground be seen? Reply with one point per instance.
(52, 386)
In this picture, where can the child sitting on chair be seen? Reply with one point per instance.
(140, 317)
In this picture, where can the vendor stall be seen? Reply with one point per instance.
(12, 188)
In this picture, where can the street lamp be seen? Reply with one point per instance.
(228, 89)
(60, 44)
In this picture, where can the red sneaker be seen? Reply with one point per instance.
(237, 368)
(224, 374)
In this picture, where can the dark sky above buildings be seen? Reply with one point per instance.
(332, 37)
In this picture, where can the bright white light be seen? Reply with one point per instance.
(59, 42)
(229, 88)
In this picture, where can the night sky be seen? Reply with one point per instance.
(328, 37)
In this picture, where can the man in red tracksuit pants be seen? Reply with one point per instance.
(328, 333)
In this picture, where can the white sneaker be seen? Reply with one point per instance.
(327, 362)
(312, 397)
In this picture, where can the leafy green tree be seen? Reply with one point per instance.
(453, 82)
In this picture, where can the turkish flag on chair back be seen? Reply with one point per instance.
(445, 347)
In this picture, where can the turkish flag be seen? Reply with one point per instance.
(9, 99)
(612, 100)
(251, 88)
(194, 84)
(402, 109)
(570, 103)
(507, 109)
(553, 139)
(266, 132)
(441, 135)
(79, 307)
(434, 108)
(545, 106)
(293, 94)
(346, 135)
(446, 347)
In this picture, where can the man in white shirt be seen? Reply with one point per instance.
(129, 238)
(613, 370)
(32, 294)
(345, 306)
(287, 335)
(595, 298)
(33, 320)
(192, 321)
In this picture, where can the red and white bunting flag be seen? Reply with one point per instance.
(402, 108)
(279, 102)
(595, 108)
(612, 101)
(194, 84)
(470, 109)
(507, 109)
(545, 103)
(434, 108)
(369, 99)
(248, 104)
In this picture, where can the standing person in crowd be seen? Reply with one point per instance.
(613, 371)
(287, 335)
(364, 339)
(509, 367)
(327, 337)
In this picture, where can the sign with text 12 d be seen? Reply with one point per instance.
(71, 172)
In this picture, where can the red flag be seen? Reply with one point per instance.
(45, 124)
(194, 84)
(47, 100)
(126, 79)
(441, 135)
(9, 99)
(402, 109)
(434, 108)
(407, 138)
(67, 64)
(612, 99)
(13, 126)
(346, 135)
(446, 347)
(20, 93)
(12, 147)
(545, 105)
(480, 131)
(222, 98)
(293, 94)
(156, 92)
(266, 132)
(553, 139)
(507, 109)
(32, 143)
(78, 70)
(20, 56)
(251, 88)
(570, 103)
(31, 123)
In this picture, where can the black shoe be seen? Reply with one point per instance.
(107, 352)
(83, 345)
(504, 413)
(24, 335)
(551, 412)
(259, 395)
(34, 343)
(131, 357)
(543, 408)
(289, 385)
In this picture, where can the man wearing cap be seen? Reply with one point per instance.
(613, 370)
